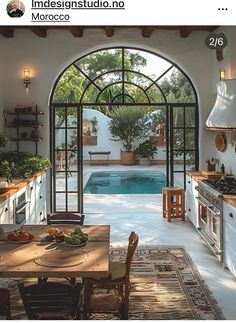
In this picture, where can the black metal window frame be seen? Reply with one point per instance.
(148, 102)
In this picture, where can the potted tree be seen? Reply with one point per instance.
(128, 124)
(145, 150)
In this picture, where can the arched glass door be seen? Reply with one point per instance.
(106, 80)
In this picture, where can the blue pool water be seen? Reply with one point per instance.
(120, 182)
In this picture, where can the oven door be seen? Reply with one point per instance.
(203, 215)
(215, 226)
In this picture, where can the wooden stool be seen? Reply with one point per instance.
(173, 203)
(5, 303)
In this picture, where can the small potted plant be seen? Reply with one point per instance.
(94, 123)
(127, 125)
(146, 150)
(3, 141)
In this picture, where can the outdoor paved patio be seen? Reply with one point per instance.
(143, 214)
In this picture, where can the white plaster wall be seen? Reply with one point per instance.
(47, 57)
(104, 137)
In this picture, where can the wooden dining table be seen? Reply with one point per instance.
(43, 258)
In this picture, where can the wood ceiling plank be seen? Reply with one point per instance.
(39, 31)
(185, 31)
(147, 31)
(109, 30)
(7, 32)
(77, 31)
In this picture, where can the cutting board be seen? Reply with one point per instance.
(211, 175)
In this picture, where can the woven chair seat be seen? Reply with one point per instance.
(105, 302)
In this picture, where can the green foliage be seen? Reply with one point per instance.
(146, 149)
(3, 141)
(21, 165)
(177, 88)
(128, 124)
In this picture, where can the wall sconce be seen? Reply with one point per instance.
(222, 74)
(27, 77)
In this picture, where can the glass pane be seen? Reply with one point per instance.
(145, 63)
(178, 117)
(138, 79)
(71, 117)
(136, 93)
(190, 160)
(60, 202)
(70, 86)
(179, 162)
(108, 78)
(71, 138)
(72, 202)
(60, 158)
(179, 179)
(72, 160)
(190, 139)
(110, 93)
(155, 95)
(178, 140)
(60, 114)
(100, 62)
(90, 95)
(190, 116)
(72, 182)
(60, 139)
(60, 181)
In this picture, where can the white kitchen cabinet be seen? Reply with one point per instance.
(229, 237)
(33, 196)
(6, 211)
(40, 190)
(191, 204)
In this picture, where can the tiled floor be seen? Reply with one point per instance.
(143, 215)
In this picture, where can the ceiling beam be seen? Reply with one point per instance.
(39, 31)
(147, 31)
(77, 31)
(7, 32)
(185, 31)
(109, 30)
(219, 54)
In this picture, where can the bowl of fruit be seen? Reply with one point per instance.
(76, 239)
(19, 236)
(56, 234)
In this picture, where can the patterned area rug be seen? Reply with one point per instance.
(165, 286)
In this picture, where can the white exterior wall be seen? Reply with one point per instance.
(47, 57)
(104, 137)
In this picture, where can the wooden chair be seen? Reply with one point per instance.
(51, 300)
(118, 282)
(65, 218)
(5, 308)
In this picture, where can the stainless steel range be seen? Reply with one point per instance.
(210, 211)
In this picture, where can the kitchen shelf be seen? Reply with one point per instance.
(26, 139)
(32, 126)
(33, 113)
(31, 122)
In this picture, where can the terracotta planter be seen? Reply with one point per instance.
(127, 158)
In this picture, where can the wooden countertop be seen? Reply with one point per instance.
(196, 175)
(22, 183)
(231, 199)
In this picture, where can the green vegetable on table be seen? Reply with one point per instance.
(76, 238)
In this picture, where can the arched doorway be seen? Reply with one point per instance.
(108, 79)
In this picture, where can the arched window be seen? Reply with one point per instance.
(108, 79)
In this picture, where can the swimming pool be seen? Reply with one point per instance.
(123, 182)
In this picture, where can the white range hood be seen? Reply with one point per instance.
(223, 114)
